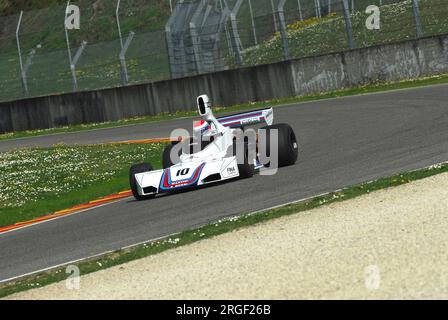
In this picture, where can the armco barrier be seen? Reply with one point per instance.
(404, 60)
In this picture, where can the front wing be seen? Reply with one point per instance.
(187, 175)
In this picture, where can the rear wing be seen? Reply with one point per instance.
(265, 116)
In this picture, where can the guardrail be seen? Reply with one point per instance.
(403, 60)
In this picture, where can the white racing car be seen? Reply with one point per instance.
(219, 150)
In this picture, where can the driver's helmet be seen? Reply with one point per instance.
(200, 127)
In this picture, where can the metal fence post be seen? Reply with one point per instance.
(196, 41)
(74, 62)
(117, 17)
(235, 44)
(124, 46)
(69, 51)
(236, 41)
(27, 66)
(274, 16)
(226, 27)
(418, 21)
(281, 16)
(299, 7)
(22, 73)
(124, 68)
(183, 59)
(253, 22)
(317, 7)
(348, 24)
(169, 38)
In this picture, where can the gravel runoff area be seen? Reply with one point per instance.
(391, 244)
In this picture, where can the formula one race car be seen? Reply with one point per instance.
(220, 150)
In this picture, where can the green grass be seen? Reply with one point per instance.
(99, 65)
(36, 182)
(370, 88)
(214, 229)
(9, 7)
(329, 35)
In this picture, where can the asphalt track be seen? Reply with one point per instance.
(343, 141)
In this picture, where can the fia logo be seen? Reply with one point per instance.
(231, 170)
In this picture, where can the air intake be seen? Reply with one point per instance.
(149, 190)
(212, 178)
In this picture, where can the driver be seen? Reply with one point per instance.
(208, 128)
(200, 128)
(202, 134)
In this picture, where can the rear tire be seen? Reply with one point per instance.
(138, 168)
(288, 149)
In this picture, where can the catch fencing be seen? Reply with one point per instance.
(127, 42)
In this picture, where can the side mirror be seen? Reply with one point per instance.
(203, 105)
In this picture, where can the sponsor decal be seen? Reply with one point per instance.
(231, 170)
(167, 184)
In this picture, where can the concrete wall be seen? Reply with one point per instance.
(405, 60)
(398, 61)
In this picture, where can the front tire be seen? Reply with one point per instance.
(246, 169)
(166, 157)
(138, 168)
